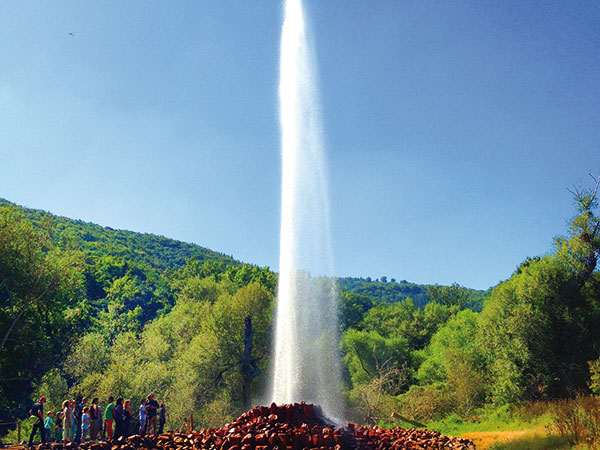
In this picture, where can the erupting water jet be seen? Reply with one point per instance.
(307, 365)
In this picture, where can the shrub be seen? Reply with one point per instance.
(578, 418)
(12, 436)
(594, 383)
(425, 403)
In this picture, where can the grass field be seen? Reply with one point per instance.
(531, 439)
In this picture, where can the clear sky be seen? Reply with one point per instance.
(453, 129)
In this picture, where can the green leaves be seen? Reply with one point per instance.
(41, 288)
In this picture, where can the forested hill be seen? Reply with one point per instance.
(392, 291)
(154, 251)
(157, 253)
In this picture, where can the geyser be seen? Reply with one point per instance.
(307, 366)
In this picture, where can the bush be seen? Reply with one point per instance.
(578, 418)
(425, 403)
(594, 383)
(12, 436)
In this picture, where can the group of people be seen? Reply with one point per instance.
(78, 422)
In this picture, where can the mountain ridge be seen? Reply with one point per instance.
(162, 253)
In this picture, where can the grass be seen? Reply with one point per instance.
(531, 439)
(534, 442)
(506, 428)
(530, 427)
(491, 420)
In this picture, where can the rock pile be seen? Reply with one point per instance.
(298, 426)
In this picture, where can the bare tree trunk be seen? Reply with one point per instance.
(249, 369)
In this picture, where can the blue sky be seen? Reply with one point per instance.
(453, 129)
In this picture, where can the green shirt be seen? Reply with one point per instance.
(108, 412)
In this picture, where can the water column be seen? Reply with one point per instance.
(306, 366)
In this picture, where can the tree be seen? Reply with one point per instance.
(375, 398)
(353, 308)
(54, 387)
(368, 355)
(41, 299)
(454, 295)
(455, 359)
(584, 244)
(539, 328)
(404, 319)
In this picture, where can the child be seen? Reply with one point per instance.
(143, 417)
(162, 418)
(48, 426)
(85, 423)
(58, 428)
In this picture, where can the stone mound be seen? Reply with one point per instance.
(298, 426)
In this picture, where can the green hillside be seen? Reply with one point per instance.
(154, 251)
(421, 294)
(156, 254)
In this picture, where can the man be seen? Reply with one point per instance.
(162, 418)
(109, 418)
(152, 409)
(37, 410)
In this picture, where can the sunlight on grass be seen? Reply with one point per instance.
(535, 442)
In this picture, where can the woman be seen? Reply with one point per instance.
(94, 420)
(118, 415)
(126, 418)
(67, 422)
(73, 420)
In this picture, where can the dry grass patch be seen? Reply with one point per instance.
(484, 439)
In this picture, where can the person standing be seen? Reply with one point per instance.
(143, 416)
(152, 408)
(78, 416)
(58, 428)
(109, 418)
(85, 423)
(101, 423)
(162, 418)
(48, 426)
(37, 410)
(118, 415)
(67, 422)
(126, 417)
(94, 420)
(73, 420)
